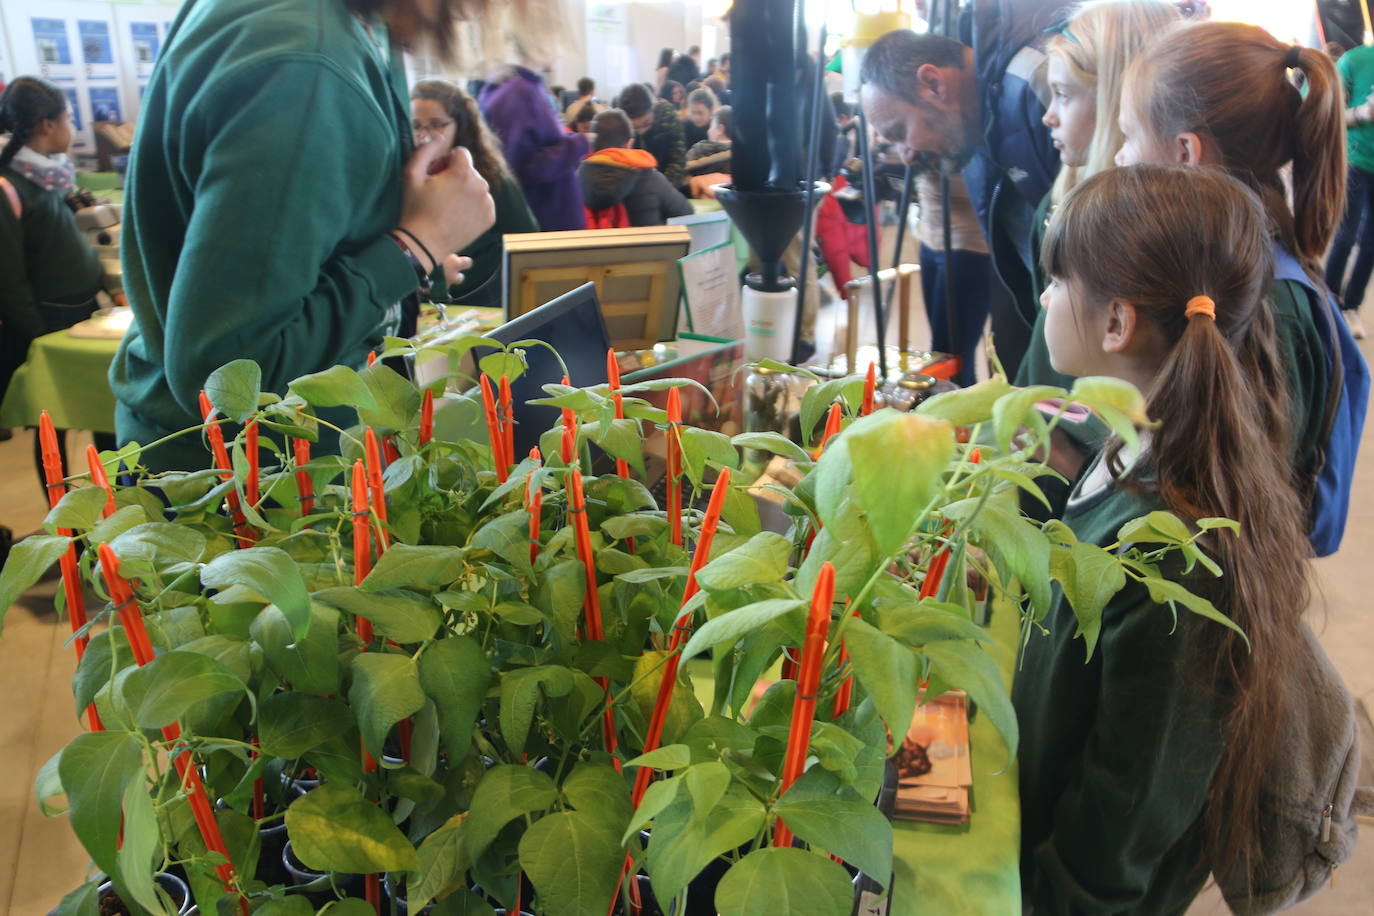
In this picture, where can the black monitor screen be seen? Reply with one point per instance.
(573, 325)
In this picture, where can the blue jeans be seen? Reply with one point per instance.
(1357, 228)
(971, 273)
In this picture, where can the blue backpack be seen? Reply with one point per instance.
(1345, 411)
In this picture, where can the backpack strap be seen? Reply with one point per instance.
(1287, 267)
(16, 204)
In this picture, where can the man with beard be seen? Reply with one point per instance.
(277, 208)
(978, 107)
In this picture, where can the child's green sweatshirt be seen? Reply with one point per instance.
(265, 176)
(1117, 752)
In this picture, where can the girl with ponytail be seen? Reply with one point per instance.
(50, 275)
(1140, 770)
(1222, 94)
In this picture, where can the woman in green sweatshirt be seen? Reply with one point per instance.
(274, 210)
(445, 115)
(1140, 768)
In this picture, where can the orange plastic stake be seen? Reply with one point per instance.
(371, 357)
(534, 504)
(300, 448)
(250, 446)
(99, 478)
(362, 545)
(568, 444)
(389, 449)
(845, 695)
(493, 429)
(71, 575)
(674, 432)
(622, 467)
(804, 706)
(591, 603)
(681, 629)
(121, 594)
(507, 418)
(221, 455)
(374, 484)
(870, 385)
(832, 428)
(427, 418)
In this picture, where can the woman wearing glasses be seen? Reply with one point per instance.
(443, 113)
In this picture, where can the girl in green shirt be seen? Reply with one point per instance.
(443, 113)
(1140, 770)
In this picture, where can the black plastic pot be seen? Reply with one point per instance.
(398, 898)
(315, 886)
(174, 886)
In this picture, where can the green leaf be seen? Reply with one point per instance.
(412, 566)
(732, 625)
(966, 406)
(784, 882)
(660, 794)
(683, 710)
(399, 615)
(763, 558)
(463, 902)
(573, 860)
(95, 769)
(290, 724)
(81, 508)
(700, 446)
(848, 544)
(337, 386)
(84, 901)
(927, 621)
(1165, 591)
(48, 784)
(682, 844)
(233, 389)
(498, 364)
(122, 520)
(520, 690)
(887, 671)
(141, 840)
(165, 689)
(156, 546)
(1159, 527)
(385, 689)
(455, 674)
(311, 664)
(1112, 393)
(834, 818)
(270, 573)
(334, 828)
(706, 783)
(1017, 409)
(507, 536)
(667, 757)
(1211, 523)
(1090, 577)
(397, 400)
(505, 793)
(597, 788)
(29, 559)
(818, 398)
(892, 502)
(776, 443)
(621, 439)
(973, 670)
(444, 862)
(1013, 542)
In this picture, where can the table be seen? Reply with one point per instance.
(971, 869)
(67, 376)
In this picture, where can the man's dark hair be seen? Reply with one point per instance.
(725, 58)
(612, 129)
(842, 109)
(635, 100)
(586, 86)
(892, 61)
(722, 116)
(693, 51)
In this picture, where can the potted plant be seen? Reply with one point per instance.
(432, 662)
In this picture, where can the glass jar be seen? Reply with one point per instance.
(768, 406)
(910, 390)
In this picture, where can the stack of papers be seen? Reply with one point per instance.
(934, 772)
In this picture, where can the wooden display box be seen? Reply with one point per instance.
(635, 272)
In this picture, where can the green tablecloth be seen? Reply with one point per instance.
(973, 869)
(66, 376)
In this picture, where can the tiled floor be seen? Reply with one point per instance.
(40, 859)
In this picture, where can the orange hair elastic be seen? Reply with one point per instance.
(1201, 305)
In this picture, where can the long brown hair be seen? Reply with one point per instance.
(470, 129)
(1229, 82)
(1156, 236)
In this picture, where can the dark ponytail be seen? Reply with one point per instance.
(1156, 237)
(27, 102)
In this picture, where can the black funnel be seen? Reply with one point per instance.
(768, 220)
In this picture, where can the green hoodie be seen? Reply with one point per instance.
(266, 173)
